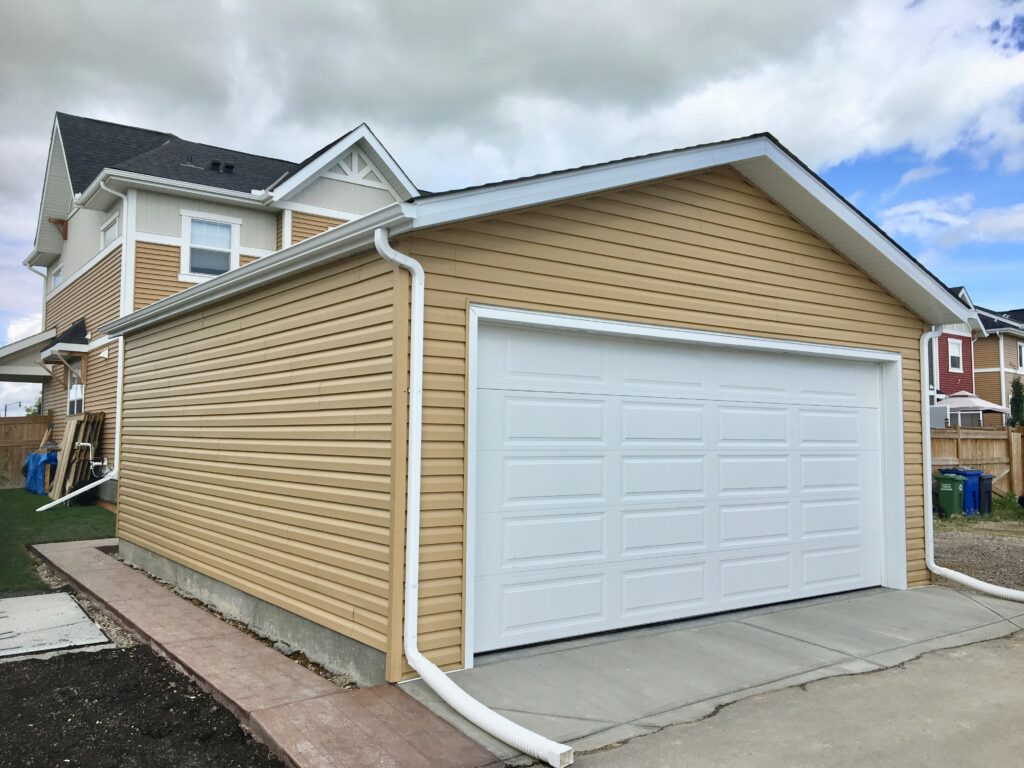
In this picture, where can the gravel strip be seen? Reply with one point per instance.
(997, 559)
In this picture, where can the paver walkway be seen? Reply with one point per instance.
(306, 720)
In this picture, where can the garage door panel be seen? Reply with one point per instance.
(676, 481)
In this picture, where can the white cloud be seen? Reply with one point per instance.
(950, 221)
(914, 176)
(21, 327)
(15, 397)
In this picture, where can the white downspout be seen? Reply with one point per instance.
(526, 741)
(929, 528)
(112, 474)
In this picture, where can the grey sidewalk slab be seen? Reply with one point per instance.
(307, 720)
(600, 690)
(39, 623)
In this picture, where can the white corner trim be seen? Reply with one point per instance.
(66, 281)
(891, 461)
(128, 255)
(286, 228)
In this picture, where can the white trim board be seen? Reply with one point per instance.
(893, 523)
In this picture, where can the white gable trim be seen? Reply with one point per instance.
(758, 158)
(386, 167)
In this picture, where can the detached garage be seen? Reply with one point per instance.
(656, 388)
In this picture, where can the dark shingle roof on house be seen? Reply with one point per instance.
(1013, 320)
(92, 145)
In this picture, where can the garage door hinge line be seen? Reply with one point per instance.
(526, 741)
(929, 525)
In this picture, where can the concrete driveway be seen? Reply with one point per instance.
(634, 686)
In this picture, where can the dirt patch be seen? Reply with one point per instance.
(121, 708)
(992, 552)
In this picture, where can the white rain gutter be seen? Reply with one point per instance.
(929, 527)
(526, 741)
(112, 474)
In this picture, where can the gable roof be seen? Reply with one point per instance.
(91, 145)
(361, 136)
(760, 158)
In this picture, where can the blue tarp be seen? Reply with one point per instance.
(35, 477)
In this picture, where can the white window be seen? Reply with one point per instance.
(56, 276)
(1020, 355)
(209, 245)
(956, 356)
(76, 387)
(108, 233)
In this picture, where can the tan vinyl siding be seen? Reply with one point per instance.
(94, 295)
(280, 229)
(708, 251)
(156, 273)
(243, 260)
(306, 225)
(257, 444)
(101, 394)
(986, 352)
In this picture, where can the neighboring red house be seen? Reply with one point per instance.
(956, 363)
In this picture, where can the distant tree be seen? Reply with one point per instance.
(1016, 403)
(36, 408)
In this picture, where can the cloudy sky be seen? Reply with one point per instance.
(913, 110)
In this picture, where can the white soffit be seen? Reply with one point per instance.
(824, 212)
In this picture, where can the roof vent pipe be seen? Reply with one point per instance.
(526, 741)
(963, 579)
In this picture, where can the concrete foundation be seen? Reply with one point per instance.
(335, 652)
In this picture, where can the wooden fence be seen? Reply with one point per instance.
(19, 436)
(995, 451)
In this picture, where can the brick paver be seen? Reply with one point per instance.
(307, 720)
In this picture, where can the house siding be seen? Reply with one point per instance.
(708, 252)
(306, 225)
(95, 296)
(157, 267)
(257, 444)
(950, 381)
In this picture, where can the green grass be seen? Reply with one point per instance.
(1005, 509)
(21, 525)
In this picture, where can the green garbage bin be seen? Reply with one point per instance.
(951, 494)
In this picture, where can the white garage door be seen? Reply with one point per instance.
(623, 482)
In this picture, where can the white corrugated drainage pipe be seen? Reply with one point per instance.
(526, 741)
(929, 528)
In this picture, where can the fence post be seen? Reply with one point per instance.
(1016, 462)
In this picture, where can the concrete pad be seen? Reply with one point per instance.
(951, 708)
(1008, 609)
(38, 623)
(870, 625)
(977, 635)
(171, 618)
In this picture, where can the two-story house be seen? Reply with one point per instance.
(129, 216)
(999, 358)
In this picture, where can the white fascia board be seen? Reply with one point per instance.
(33, 373)
(379, 156)
(824, 212)
(350, 238)
(27, 343)
(113, 177)
(449, 207)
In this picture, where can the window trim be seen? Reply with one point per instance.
(57, 276)
(80, 375)
(114, 219)
(960, 355)
(1020, 355)
(186, 275)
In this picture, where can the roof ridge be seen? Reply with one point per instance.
(119, 125)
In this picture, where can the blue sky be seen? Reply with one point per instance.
(914, 110)
(959, 215)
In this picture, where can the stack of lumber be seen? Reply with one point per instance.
(73, 463)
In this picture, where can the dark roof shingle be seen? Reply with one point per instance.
(92, 145)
